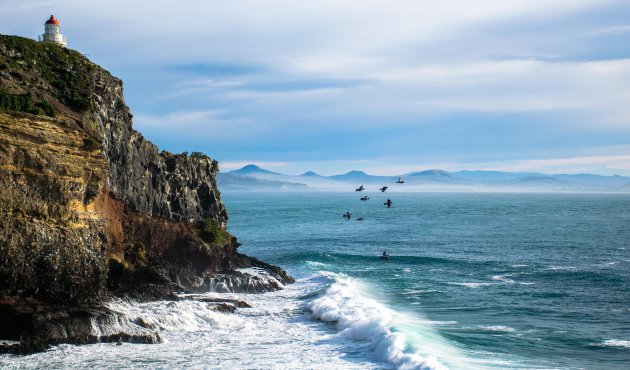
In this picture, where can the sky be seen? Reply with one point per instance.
(387, 87)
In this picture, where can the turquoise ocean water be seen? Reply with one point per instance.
(475, 281)
(513, 280)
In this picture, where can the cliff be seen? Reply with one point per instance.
(90, 209)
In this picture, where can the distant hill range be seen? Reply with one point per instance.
(252, 177)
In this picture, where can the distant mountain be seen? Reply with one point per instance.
(231, 181)
(546, 180)
(431, 175)
(582, 178)
(596, 180)
(254, 177)
(493, 176)
(252, 169)
(310, 174)
(359, 176)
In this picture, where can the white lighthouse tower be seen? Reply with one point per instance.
(52, 33)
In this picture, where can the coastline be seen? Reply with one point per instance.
(90, 210)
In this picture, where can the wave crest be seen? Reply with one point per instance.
(359, 317)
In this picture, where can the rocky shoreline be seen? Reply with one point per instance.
(91, 211)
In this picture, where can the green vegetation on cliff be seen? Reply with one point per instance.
(24, 103)
(200, 155)
(212, 232)
(46, 67)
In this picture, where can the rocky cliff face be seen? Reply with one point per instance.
(88, 207)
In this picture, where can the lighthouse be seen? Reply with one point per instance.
(52, 32)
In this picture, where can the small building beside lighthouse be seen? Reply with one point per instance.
(52, 32)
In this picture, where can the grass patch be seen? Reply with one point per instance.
(25, 103)
(69, 73)
(212, 232)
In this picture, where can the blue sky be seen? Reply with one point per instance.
(383, 86)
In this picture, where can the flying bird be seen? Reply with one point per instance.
(383, 189)
(361, 188)
(388, 203)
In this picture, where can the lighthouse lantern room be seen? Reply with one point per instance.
(52, 32)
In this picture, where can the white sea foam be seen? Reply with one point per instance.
(618, 343)
(277, 332)
(362, 318)
(554, 268)
(520, 266)
(315, 264)
(607, 264)
(419, 291)
(432, 322)
(498, 328)
(471, 285)
(503, 278)
(186, 315)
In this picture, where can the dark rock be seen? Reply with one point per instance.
(90, 209)
(224, 307)
(234, 302)
(36, 326)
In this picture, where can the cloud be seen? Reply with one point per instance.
(603, 163)
(328, 79)
(195, 125)
(611, 31)
(180, 120)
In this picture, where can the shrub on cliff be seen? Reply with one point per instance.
(211, 232)
(198, 155)
(91, 144)
(25, 103)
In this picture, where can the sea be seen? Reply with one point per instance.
(474, 281)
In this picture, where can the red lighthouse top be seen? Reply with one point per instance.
(52, 20)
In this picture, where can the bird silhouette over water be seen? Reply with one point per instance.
(383, 189)
(361, 188)
(365, 198)
(388, 203)
(347, 215)
(400, 181)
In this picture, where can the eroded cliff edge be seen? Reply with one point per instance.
(90, 209)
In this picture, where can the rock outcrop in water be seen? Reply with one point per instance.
(90, 209)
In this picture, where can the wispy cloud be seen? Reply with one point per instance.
(604, 164)
(598, 164)
(435, 82)
(609, 31)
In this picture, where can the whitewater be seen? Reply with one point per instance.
(476, 281)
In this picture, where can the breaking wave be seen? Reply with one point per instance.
(361, 317)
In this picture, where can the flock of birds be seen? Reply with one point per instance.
(388, 203)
